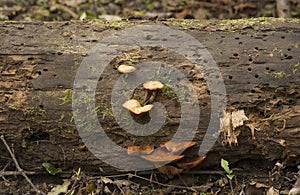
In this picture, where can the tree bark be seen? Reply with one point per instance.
(258, 58)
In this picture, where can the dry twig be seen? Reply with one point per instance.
(20, 170)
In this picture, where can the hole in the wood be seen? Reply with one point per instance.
(291, 101)
(252, 91)
(148, 37)
(240, 43)
(235, 54)
(237, 38)
(250, 59)
(54, 75)
(59, 53)
(30, 58)
(267, 68)
(45, 69)
(38, 135)
(249, 69)
(289, 49)
(208, 91)
(282, 37)
(230, 77)
(256, 48)
(39, 72)
(41, 106)
(288, 57)
(256, 76)
(189, 16)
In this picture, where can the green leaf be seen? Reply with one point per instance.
(225, 166)
(230, 176)
(51, 168)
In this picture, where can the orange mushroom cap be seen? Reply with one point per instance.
(189, 163)
(135, 107)
(161, 156)
(153, 85)
(139, 150)
(176, 147)
(126, 69)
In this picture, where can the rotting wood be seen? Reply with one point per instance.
(259, 61)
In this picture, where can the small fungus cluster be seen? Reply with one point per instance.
(152, 87)
(167, 153)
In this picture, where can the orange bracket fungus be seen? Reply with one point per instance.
(176, 147)
(189, 163)
(139, 150)
(161, 156)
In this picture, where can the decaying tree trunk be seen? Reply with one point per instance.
(258, 58)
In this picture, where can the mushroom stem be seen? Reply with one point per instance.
(152, 97)
(149, 98)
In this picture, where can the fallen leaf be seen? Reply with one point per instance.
(139, 150)
(106, 180)
(161, 156)
(190, 162)
(272, 191)
(170, 171)
(176, 147)
(63, 188)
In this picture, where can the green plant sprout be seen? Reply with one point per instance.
(51, 168)
(225, 166)
(229, 172)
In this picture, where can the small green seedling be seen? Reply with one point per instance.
(229, 172)
(225, 166)
(51, 168)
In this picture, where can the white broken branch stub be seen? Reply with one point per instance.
(229, 123)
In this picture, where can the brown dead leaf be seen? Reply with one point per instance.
(161, 156)
(139, 150)
(189, 163)
(170, 171)
(176, 147)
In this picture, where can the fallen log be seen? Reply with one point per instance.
(258, 59)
